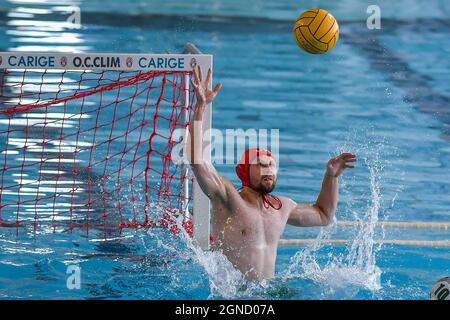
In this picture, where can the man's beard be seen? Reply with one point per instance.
(261, 188)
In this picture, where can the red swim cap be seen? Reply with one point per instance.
(243, 172)
(243, 167)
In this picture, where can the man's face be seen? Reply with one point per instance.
(263, 174)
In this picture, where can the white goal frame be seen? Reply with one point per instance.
(134, 62)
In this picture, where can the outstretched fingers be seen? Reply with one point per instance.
(208, 77)
(196, 78)
(347, 154)
(202, 88)
(200, 74)
(217, 88)
(347, 158)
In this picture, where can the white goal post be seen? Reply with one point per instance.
(202, 205)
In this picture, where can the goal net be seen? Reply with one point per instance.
(88, 140)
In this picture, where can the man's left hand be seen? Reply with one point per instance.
(337, 165)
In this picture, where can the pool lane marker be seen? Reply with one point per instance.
(419, 243)
(401, 224)
(383, 224)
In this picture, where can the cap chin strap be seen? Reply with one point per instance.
(266, 197)
(266, 200)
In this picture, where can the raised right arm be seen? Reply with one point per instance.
(213, 185)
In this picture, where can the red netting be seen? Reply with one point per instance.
(92, 149)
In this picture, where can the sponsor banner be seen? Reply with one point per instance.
(102, 61)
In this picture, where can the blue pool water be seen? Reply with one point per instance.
(382, 94)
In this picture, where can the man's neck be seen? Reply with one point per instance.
(261, 200)
(251, 191)
(251, 195)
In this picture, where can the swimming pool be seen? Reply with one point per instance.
(381, 93)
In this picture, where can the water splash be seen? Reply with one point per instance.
(355, 268)
(223, 279)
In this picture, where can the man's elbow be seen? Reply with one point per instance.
(326, 220)
(326, 217)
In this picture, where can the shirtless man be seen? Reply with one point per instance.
(248, 224)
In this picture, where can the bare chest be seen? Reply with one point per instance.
(251, 225)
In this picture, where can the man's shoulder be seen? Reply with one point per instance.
(288, 204)
(286, 200)
(229, 187)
